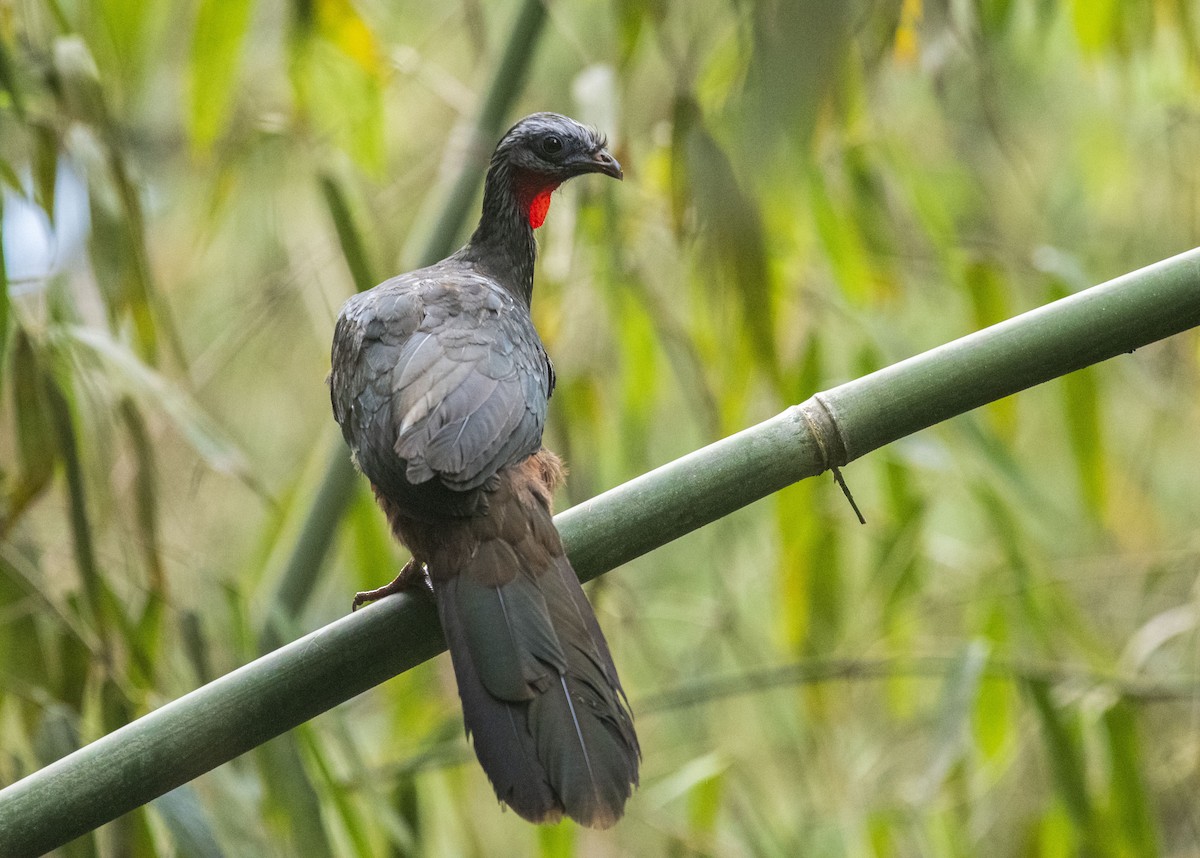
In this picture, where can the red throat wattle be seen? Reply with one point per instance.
(538, 207)
(533, 192)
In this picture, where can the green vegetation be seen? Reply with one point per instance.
(1001, 662)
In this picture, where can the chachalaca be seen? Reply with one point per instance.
(440, 384)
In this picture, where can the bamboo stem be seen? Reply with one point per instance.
(236, 712)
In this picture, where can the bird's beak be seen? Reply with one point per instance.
(600, 161)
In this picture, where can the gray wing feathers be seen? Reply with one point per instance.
(453, 370)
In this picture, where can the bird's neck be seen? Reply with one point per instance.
(514, 203)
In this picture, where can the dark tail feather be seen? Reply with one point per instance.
(502, 741)
(597, 771)
(540, 694)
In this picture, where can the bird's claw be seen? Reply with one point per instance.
(412, 577)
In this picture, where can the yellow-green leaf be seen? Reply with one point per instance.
(217, 39)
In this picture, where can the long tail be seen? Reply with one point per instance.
(540, 694)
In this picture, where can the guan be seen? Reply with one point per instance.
(440, 384)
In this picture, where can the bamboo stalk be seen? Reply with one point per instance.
(236, 712)
(849, 421)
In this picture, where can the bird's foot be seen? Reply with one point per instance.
(412, 577)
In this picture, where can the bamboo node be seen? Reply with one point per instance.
(823, 428)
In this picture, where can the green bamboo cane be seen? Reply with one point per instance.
(233, 714)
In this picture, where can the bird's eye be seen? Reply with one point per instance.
(551, 145)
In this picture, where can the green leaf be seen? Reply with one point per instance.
(195, 645)
(22, 657)
(313, 535)
(994, 16)
(827, 611)
(337, 75)
(118, 236)
(9, 177)
(1055, 836)
(66, 437)
(639, 379)
(731, 226)
(45, 168)
(1131, 805)
(117, 615)
(1082, 403)
(139, 280)
(1096, 23)
(8, 80)
(147, 633)
(881, 832)
(145, 489)
(993, 717)
(793, 507)
(959, 693)
(79, 82)
(704, 805)
(57, 733)
(633, 18)
(333, 794)
(353, 248)
(5, 308)
(127, 26)
(370, 545)
(1065, 758)
(900, 567)
(117, 246)
(687, 777)
(840, 239)
(293, 804)
(36, 450)
(557, 841)
(1185, 15)
(188, 824)
(108, 245)
(91, 348)
(995, 704)
(869, 203)
(798, 56)
(217, 38)
(1008, 535)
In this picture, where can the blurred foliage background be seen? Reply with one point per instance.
(1003, 662)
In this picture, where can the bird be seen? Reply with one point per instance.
(440, 384)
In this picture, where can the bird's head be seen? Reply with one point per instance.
(544, 150)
